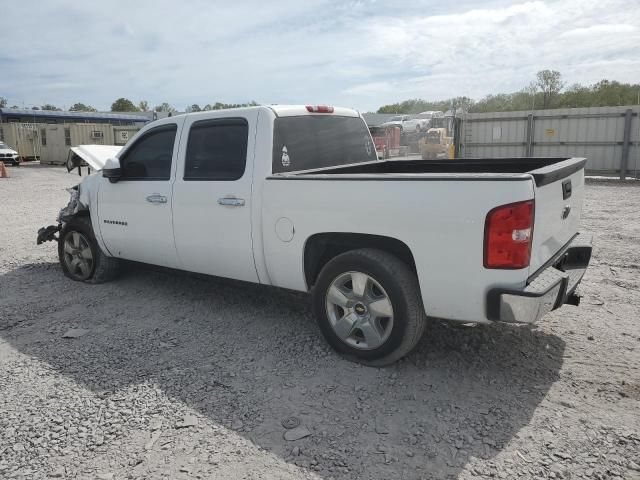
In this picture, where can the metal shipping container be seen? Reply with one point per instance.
(609, 137)
(22, 137)
(56, 140)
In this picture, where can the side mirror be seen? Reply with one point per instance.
(111, 170)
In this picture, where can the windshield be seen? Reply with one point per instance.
(396, 119)
(314, 141)
(3, 145)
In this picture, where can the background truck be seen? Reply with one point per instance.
(407, 124)
(295, 197)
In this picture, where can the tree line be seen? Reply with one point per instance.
(125, 105)
(548, 90)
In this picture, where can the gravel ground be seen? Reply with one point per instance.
(183, 376)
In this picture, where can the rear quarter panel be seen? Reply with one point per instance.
(441, 220)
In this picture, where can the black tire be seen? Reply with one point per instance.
(102, 269)
(401, 287)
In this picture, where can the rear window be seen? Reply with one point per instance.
(314, 141)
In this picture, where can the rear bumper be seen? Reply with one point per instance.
(546, 290)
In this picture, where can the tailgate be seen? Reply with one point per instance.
(559, 191)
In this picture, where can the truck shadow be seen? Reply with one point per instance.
(245, 357)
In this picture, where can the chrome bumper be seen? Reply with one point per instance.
(549, 288)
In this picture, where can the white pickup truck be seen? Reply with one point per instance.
(407, 124)
(295, 197)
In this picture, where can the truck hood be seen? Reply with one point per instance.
(96, 155)
(8, 150)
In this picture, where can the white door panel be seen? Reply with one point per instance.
(212, 196)
(134, 214)
(133, 227)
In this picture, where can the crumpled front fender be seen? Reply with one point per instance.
(80, 198)
(73, 207)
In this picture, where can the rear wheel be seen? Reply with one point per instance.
(80, 255)
(368, 306)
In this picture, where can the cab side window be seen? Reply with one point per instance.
(217, 149)
(150, 157)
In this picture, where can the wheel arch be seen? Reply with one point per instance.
(320, 248)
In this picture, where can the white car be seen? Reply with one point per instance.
(433, 113)
(294, 197)
(407, 124)
(8, 155)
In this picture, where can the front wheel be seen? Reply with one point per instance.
(368, 306)
(80, 255)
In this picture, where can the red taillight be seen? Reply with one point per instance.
(508, 233)
(319, 109)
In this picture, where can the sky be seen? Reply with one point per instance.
(361, 54)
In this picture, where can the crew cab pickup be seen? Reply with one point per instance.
(295, 197)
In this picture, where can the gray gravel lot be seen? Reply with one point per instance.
(183, 376)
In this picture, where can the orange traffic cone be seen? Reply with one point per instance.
(3, 171)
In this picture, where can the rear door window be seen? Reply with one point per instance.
(314, 141)
(217, 149)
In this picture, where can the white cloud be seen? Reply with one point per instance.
(359, 53)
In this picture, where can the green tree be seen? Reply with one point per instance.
(460, 105)
(549, 82)
(123, 105)
(224, 106)
(143, 105)
(576, 96)
(164, 107)
(3, 102)
(48, 106)
(607, 92)
(546, 91)
(81, 107)
(194, 108)
(415, 105)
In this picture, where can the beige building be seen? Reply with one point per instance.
(48, 135)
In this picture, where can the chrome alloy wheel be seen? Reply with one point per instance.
(359, 310)
(78, 257)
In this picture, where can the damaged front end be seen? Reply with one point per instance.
(74, 207)
(48, 234)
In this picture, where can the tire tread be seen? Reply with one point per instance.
(408, 285)
(106, 268)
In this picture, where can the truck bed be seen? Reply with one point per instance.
(544, 170)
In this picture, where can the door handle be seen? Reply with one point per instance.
(231, 201)
(156, 198)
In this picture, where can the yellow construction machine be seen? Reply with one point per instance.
(437, 145)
